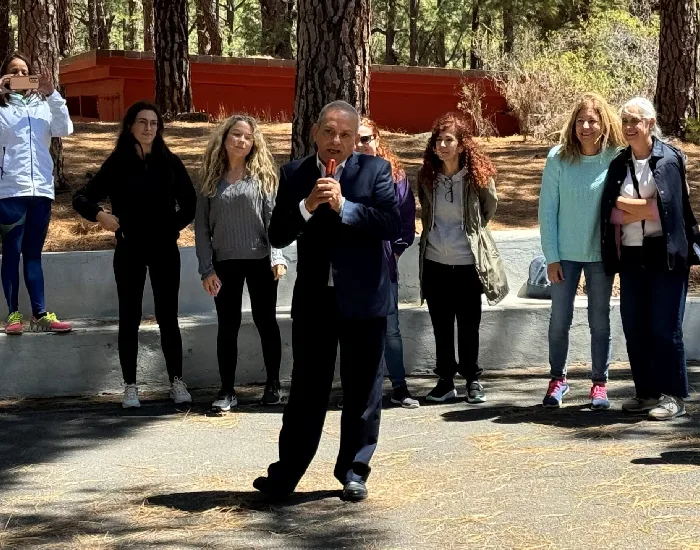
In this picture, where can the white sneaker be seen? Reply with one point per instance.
(131, 397)
(178, 391)
(668, 408)
(225, 402)
(637, 404)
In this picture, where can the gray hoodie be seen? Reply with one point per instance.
(447, 241)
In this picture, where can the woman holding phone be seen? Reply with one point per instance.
(239, 186)
(29, 118)
(152, 199)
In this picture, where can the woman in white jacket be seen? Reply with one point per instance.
(28, 121)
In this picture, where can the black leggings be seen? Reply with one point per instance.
(262, 288)
(163, 265)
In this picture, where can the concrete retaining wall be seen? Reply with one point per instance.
(81, 284)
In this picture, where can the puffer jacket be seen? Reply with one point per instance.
(26, 129)
(477, 210)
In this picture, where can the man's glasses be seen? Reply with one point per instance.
(364, 140)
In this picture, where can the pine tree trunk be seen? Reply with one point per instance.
(148, 25)
(6, 41)
(130, 26)
(333, 58)
(203, 44)
(98, 33)
(676, 96)
(508, 28)
(211, 26)
(440, 58)
(413, 13)
(38, 37)
(476, 62)
(172, 60)
(230, 21)
(65, 27)
(276, 28)
(390, 57)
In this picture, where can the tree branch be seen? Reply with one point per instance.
(378, 30)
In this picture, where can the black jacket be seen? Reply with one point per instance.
(154, 198)
(677, 220)
(353, 245)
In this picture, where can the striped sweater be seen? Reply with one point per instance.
(232, 225)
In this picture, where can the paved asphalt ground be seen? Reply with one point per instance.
(506, 474)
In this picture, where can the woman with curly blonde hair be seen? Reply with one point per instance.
(458, 256)
(239, 186)
(569, 213)
(370, 143)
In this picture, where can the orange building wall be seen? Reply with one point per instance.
(401, 98)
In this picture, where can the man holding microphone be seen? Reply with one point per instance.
(342, 296)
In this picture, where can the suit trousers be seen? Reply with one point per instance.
(316, 333)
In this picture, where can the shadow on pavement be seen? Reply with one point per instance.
(672, 457)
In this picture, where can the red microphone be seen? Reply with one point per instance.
(330, 168)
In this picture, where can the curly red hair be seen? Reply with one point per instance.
(478, 163)
(383, 151)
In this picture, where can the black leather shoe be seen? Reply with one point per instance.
(270, 488)
(354, 491)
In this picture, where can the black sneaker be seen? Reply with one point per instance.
(475, 392)
(271, 396)
(444, 390)
(401, 396)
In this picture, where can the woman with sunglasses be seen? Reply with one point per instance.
(458, 256)
(650, 237)
(370, 143)
(152, 199)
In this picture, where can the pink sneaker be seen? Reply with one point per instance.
(14, 324)
(49, 323)
(599, 397)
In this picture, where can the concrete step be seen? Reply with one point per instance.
(86, 361)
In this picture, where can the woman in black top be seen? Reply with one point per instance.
(152, 199)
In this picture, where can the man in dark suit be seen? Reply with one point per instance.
(342, 296)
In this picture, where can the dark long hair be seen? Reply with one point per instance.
(477, 162)
(5, 67)
(127, 143)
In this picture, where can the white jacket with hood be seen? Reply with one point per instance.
(26, 128)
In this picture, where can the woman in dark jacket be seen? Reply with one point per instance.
(648, 234)
(370, 144)
(152, 199)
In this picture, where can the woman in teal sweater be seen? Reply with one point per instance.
(569, 212)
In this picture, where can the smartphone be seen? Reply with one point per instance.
(30, 82)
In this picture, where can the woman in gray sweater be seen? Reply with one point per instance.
(239, 185)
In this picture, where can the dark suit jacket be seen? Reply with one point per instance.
(353, 246)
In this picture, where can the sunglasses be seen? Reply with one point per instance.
(364, 140)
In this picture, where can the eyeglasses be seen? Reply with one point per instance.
(450, 195)
(364, 140)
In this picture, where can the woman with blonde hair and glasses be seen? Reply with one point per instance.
(239, 186)
(569, 213)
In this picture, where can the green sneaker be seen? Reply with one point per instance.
(49, 323)
(14, 324)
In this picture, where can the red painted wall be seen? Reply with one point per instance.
(401, 98)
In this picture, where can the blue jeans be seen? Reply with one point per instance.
(24, 222)
(599, 289)
(393, 352)
(652, 305)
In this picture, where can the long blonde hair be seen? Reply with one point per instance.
(610, 126)
(259, 163)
